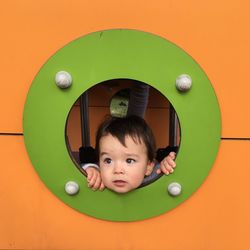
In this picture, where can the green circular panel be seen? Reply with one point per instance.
(120, 54)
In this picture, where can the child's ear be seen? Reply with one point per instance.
(150, 168)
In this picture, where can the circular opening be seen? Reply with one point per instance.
(120, 98)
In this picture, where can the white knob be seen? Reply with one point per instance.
(71, 188)
(174, 189)
(63, 79)
(183, 82)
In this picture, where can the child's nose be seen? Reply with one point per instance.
(118, 168)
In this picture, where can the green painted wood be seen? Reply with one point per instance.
(109, 55)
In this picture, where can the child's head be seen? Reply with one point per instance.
(126, 150)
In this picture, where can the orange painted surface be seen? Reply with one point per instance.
(214, 33)
(215, 217)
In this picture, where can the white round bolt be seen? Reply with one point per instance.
(71, 188)
(183, 82)
(63, 79)
(174, 189)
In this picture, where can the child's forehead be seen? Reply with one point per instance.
(135, 139)
(127, 140)
(113, 146)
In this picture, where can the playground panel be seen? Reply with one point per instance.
(214, 34)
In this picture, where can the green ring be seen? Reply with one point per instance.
(108, 55)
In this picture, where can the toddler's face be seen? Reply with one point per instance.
(123, 168)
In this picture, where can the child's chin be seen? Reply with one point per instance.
(121, 190)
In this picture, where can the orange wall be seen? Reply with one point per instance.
(216, 217)
(216, 34)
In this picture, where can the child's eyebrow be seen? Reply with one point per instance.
(103, 153)
(132, 155)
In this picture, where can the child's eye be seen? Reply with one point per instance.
(130, 160)
(107, 160)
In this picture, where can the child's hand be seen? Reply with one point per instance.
(167, 164)
(94, 179)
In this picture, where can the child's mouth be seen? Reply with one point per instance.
(119, 183)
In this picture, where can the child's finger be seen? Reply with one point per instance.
(164, 169)
(97, 183)
(169, 167)
(92, 180)
(90, 174)
(172, 155)
(169, 162)
(158, 171)
(102, 187)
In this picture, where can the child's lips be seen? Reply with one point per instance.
(119, 183)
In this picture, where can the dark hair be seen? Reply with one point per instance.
(132, 126)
